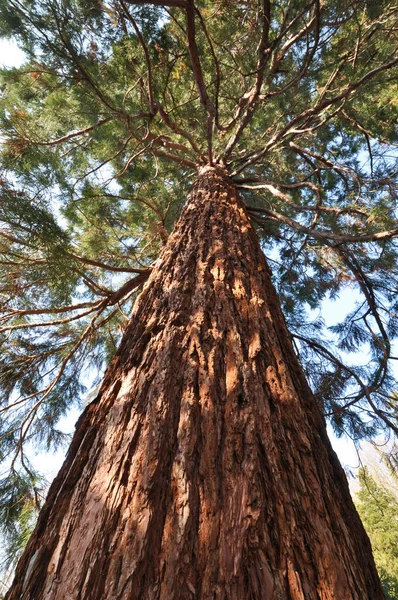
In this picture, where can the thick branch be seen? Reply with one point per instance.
(310, 113)
(327, 235)
(195, 60)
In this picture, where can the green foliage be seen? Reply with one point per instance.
(378, 509)
(20, 500)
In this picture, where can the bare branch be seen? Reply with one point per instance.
(152, 102)
(366, 390)
(51, 323)
(101, 265)
(195, 60)
(41, 311)
(314, 111)
(198, 74)
(326, 235)
(216, 64)
(174, 127)
(180, 3)
(271, 187)
(69, 136)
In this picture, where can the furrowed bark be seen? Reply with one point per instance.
(203, 469)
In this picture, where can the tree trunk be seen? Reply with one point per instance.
(203, 469)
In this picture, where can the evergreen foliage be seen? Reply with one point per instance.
(103, 128)
(378, 509)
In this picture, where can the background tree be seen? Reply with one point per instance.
(103, 130)
(378, 509)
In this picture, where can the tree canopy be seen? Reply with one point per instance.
(103, 129)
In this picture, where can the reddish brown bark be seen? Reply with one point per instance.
(203, 469)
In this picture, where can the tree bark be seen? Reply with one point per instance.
(203, 469)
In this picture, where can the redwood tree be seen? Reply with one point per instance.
(182, 143)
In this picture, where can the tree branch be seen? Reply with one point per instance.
(101, 265)
(325, 235)
(180, 3)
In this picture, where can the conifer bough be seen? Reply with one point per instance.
(202, 468)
